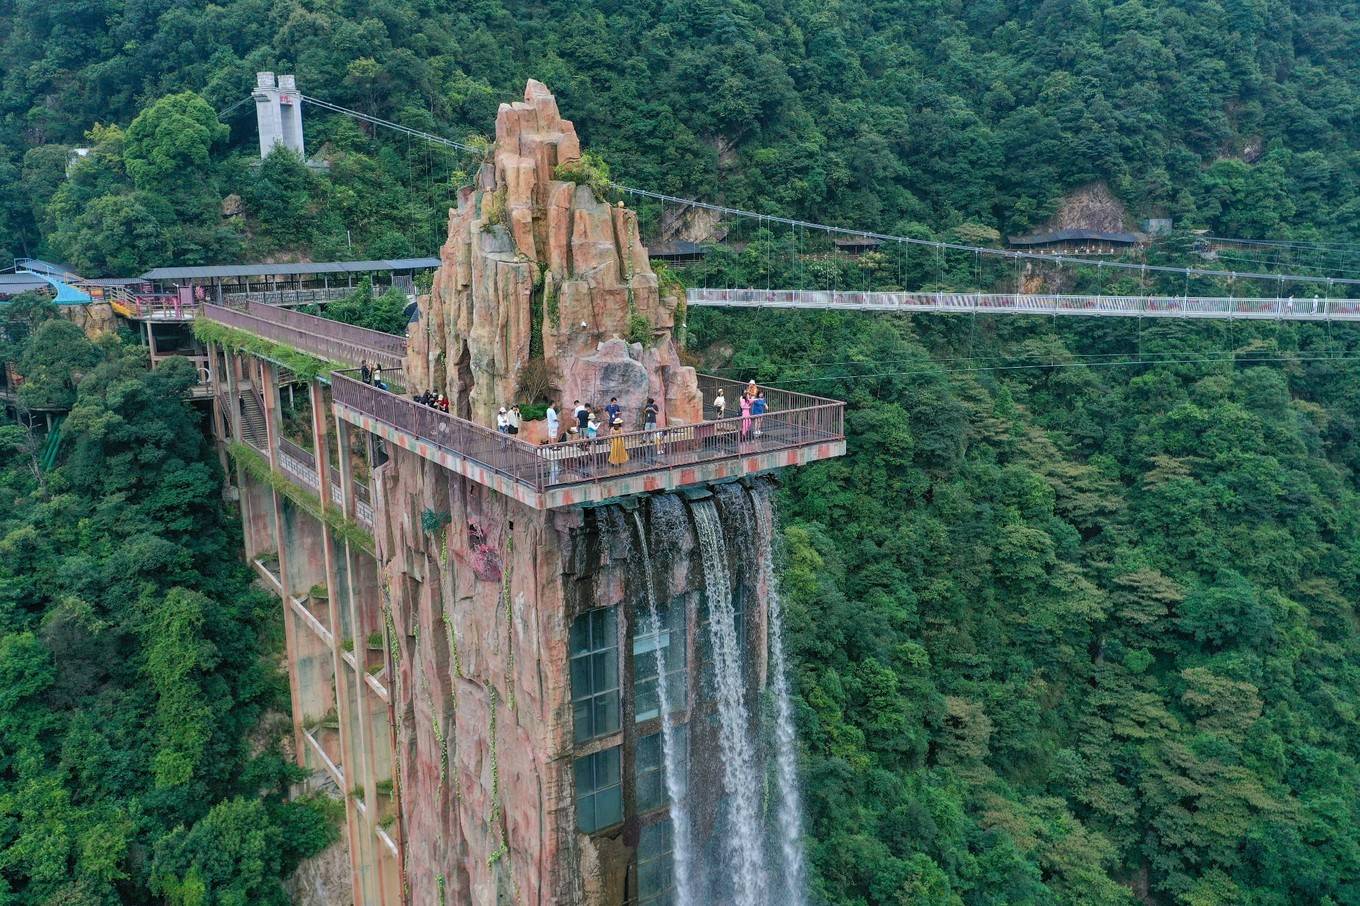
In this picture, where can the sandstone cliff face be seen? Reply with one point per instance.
(539, 268)
(478, 613)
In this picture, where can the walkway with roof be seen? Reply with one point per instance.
(289, 283)
(1216, 307)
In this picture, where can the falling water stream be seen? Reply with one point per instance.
(676, 772)
(790, 826)
(741, 780)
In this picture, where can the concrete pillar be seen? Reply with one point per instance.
(234, 393)
(278, 113)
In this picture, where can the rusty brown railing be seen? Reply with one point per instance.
(545, 466)
(349, 333)
(317, 336)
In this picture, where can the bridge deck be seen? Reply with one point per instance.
(1226, 308)
(331, 340)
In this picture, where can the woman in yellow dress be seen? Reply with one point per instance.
(618, 453)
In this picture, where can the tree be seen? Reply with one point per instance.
(169, 142)
(53, 362)
(117, 235)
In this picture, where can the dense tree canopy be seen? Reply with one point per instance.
(1070, 629)
(1235, 116)
(137, 662)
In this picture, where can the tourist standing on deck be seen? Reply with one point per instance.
(502, 421)
(592, 426)
(613, 411)
(512, 421)
(758, 408)
(719, 405)
(745, 416)
(551, 416)
(580, 413)
(618, 453)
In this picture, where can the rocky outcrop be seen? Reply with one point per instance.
(324, 879)
(1091, 207)
(539, 268)
(95, 319)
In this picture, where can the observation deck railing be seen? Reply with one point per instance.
(150, 306)
(811, 425)
(1226, 307)
(321, 337)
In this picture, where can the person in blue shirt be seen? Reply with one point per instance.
(758, 408)
(613, 411)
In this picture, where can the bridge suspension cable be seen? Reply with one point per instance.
(397, 127)
(1009, 254)
(935, 244)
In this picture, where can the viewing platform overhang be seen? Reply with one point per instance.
(797, 429)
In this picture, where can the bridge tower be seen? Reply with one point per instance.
(278, 113)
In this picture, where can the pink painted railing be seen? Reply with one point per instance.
(320, 337)
(813, 420)
(349, 333)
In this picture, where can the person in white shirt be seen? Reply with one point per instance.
(502, 421)
(551, 415)
(513, 420)
(719, 405)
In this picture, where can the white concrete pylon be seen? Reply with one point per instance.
(278, 113)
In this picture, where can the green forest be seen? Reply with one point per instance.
(1073, 623)
(1238, 116)
(139, 676)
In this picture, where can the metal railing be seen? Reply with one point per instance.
(1286, 308)
(299, 466)
(149, 306)
(794, 420)
(349, 333)
(288, 296)
(317, 336)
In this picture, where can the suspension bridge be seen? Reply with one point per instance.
(806, 265)
(1216, 307)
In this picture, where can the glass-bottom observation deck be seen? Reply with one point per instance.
(796, 430)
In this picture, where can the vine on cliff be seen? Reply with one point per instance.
(509, 622)
(255, 465)
(305, 367)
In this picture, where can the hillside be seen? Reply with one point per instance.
(1073, 623)
(873, 113)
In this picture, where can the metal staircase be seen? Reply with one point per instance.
(253, 430)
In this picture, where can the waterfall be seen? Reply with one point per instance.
(675, 771)
(741, 780)
(790, 827)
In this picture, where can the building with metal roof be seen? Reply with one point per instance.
(208, 272)
(1077, 241)
(286, 283)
